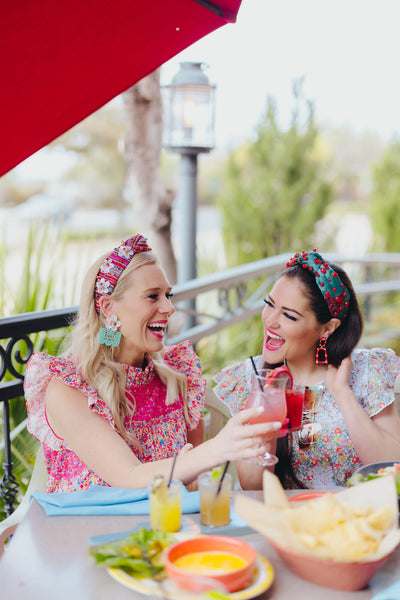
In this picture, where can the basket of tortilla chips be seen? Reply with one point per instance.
(338, 540)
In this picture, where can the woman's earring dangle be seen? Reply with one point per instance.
(109, 335)
(321, 356)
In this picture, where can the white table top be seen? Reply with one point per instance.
(48, 558)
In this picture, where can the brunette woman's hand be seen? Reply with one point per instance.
(185, 449)
(337, 379)
(239, 440)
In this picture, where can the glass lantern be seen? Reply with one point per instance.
(189, 111)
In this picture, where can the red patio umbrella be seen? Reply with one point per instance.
(61, 61)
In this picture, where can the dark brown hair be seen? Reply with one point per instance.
(345, 338)
(339, 345)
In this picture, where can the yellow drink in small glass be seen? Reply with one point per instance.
(214, 509)
(165, 507)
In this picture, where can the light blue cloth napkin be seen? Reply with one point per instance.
(103, 500)
(390, 593)
(236, 528)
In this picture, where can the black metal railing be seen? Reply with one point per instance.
(16, 330)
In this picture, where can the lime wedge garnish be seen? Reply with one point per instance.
(216, 473)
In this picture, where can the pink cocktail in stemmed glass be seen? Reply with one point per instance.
(268, 392)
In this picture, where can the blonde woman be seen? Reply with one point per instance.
(117, 405)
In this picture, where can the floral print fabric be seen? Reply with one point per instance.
(160, 429)
(332, 458)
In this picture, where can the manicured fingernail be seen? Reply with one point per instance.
(276, 425)
(260, 409)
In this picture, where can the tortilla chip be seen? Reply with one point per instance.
(330, 529)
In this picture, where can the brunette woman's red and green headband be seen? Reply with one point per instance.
(335, 293)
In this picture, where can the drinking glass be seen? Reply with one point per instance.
(309, 433)
(214, 502)
(295, 406)
(165, 507)
(270, 394)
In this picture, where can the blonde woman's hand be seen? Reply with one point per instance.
(239, 440)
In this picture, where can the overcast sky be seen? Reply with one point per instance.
(347, 50)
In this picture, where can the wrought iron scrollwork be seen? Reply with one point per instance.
(3, 362)
(21, 360)
(11, 357)
(15, 330)
(8, 489)
(8, 483)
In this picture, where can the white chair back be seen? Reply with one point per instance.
(37, 483)
(397, 392)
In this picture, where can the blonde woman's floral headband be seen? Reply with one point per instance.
(115, 264)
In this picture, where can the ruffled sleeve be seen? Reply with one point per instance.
(373, 378)
(184, 359)
(37, 378)
(233, 385)
(41, 368)
(65, 371)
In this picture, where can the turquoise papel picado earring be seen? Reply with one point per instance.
(109, 335)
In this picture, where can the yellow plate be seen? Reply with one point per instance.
(263, 578)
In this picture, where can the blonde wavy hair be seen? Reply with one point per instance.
(98, 364)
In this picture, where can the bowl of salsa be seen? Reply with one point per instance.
(195, 562)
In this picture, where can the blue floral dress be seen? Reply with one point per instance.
(332, 458)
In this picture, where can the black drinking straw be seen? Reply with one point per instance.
(172, 469)
(256, 372)
(222, 478)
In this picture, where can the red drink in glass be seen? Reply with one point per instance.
(295, 403)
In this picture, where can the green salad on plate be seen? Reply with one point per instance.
(368, 472)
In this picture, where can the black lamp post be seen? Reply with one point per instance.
(189, 115)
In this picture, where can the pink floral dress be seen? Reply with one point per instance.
(332, 458)
(160, 429)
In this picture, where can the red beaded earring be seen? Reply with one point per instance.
(321, 357)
